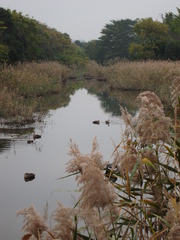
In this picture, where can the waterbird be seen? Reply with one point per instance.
(96, 122)
(107, 122)
(29, 177)
(36, 136)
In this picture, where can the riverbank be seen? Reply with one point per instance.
(155, 76)
(22, 86)
(27, 81)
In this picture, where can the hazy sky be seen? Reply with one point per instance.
(84, 19)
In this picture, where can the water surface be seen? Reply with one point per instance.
(47, 157)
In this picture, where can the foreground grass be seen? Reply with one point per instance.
(28, 80)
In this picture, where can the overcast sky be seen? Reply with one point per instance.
(84, 19)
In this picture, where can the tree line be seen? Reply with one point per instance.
(139, 39)
(24, 39)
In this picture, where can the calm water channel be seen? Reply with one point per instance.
(47, 156)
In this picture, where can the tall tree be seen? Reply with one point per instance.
(25, 39)
(152, 39)
(9, 36)
(173, 46)
(116, 38)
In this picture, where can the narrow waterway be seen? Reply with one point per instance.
(47, 157)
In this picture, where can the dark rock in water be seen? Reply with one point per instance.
(30, 141)
(96, 122)
(29, 177)
(36, 136)
(107, 122)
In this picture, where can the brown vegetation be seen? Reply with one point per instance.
(155, 76)
(143, 200)
(28, 80)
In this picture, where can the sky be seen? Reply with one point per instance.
(84, 19)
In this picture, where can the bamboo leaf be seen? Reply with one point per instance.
(163, 220)
(169, 151)
(128, 182)
(83, 236)
(128, 221)
(134, 170)
(148, 162)
(148, 220)
(168, 167)
(125, 233)
(149, 202)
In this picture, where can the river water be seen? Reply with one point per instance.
(47, 157)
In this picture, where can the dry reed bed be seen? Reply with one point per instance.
(153, 76)
(28, 80)
(33, 79)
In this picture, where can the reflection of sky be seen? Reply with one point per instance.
(47, 158)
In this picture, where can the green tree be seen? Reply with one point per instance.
(173, 21)
(27, 31)
(92, 49)
(9, 37)
(4, 50)
(152, 39)
(172, 50)
(116, 38)
(3, 53)
(25, 39)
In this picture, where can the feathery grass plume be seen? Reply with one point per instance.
(33, 223)
(175, 99)
(127, 118)
(94, 223)
(125, 161)
(174, 233)
(64, 224)
(129, 122)
(175, 91)
(174, 209)
(78, 159)
(157, 190)
(96, 192)
(148, 97)
(173, 218)
(152, 124)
